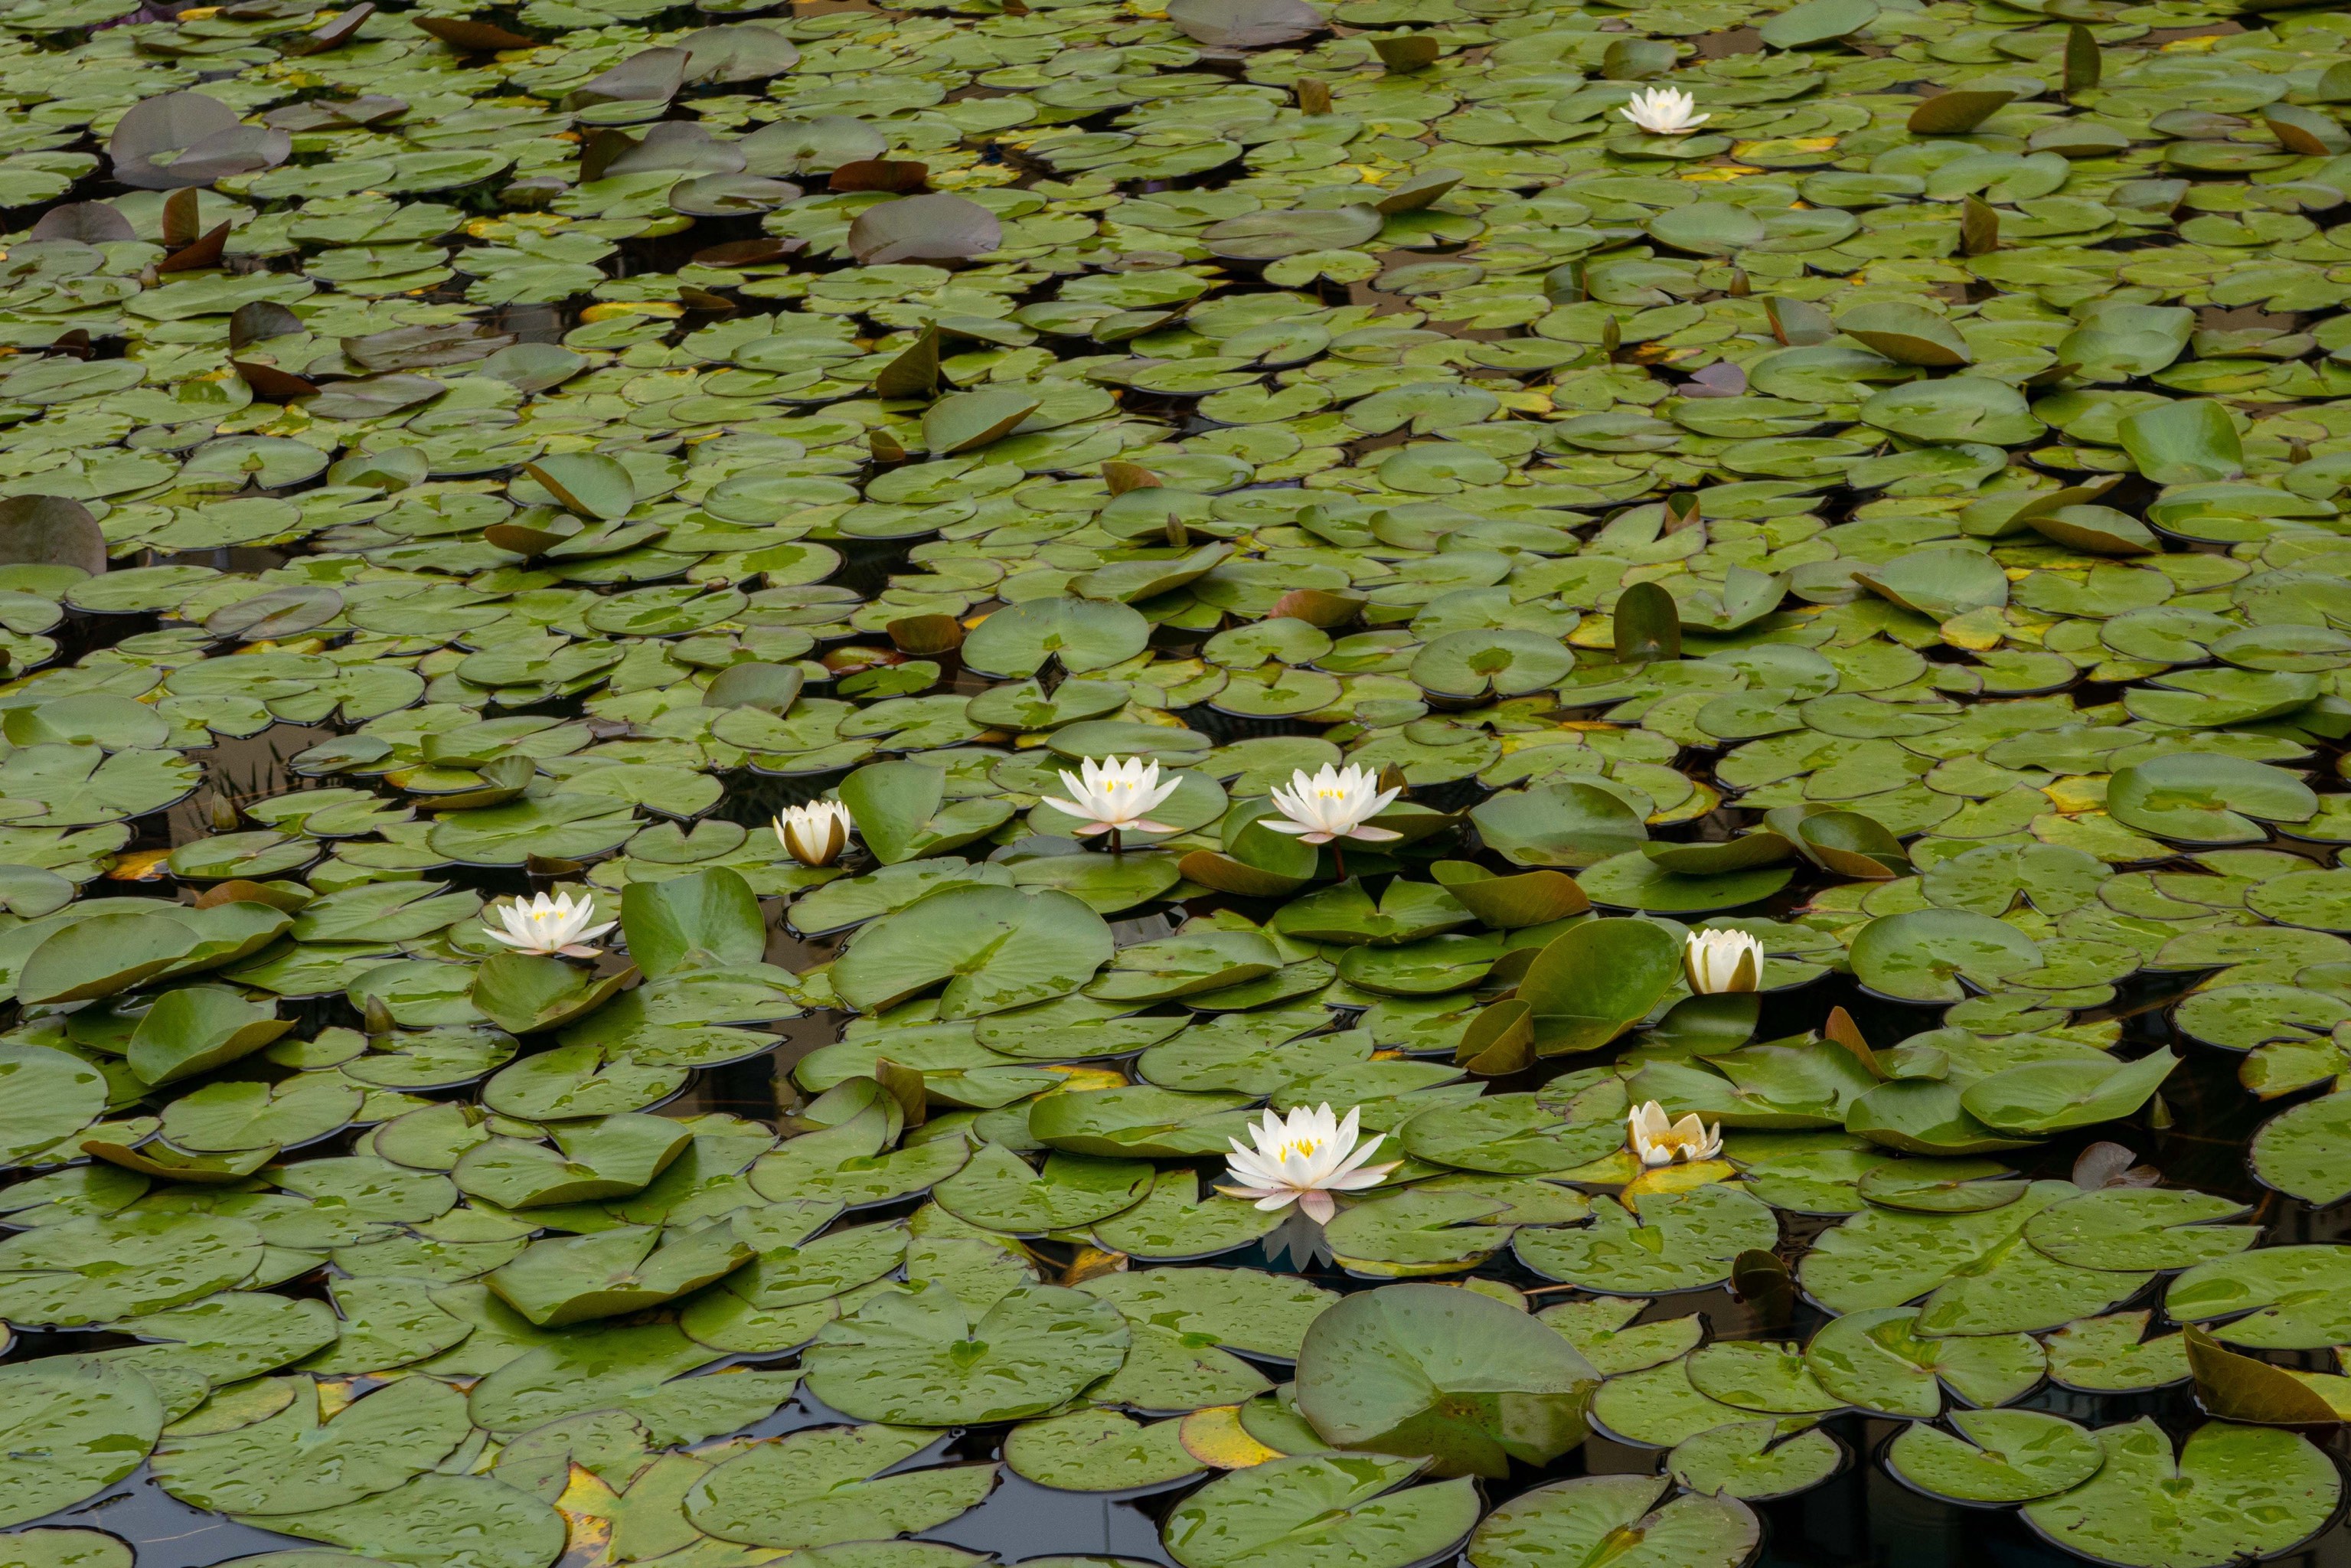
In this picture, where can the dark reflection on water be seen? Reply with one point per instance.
(170, 1533)
(1020, 1519)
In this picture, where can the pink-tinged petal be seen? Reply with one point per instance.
(1089, 829)
(1284, 825)
(1149, 827)
(1276, 1200)
(1317, 1207)
(1372, 835)
(1356, 1181)
(578, 951)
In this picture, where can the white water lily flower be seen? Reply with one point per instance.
(1115, 796)
(1719, 961)
(1303, 1160)
(1661, 1143)
(549, 926)
(1664, 112)
(1333, 804)
(816, 833)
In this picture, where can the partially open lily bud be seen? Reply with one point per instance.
(1721, 961)
(379, 1018)
(814, 834)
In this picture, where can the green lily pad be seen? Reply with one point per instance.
(1099, 1451)
(1578, 1522)
(1998, 1456)
(73, 1430)
(1754, 1460)
(923, 1357)
(1666, 1241)
(821, 1485)
(2255, 1492)
(1352, 1504)
(1429, 1369)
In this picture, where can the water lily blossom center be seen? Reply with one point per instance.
(1304, 1159)
(1664, 112)
(548, 926)
(1334, 803)
(1662, 1143)
(1111, 796)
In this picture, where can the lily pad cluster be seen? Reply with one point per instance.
(448, 459)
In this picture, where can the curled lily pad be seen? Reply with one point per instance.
(51, 530)
(202, 137)
(921, 228)
(2052, 1096)
(1597, 980)
(1429, 1369)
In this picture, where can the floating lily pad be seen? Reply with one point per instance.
(2258, 1491)
(1998, 1456)
(922, 1357)
(1569, 1522)
(1354, 1503)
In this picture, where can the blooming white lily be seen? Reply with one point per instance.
(1111, 797)
(816, 833)
(1334, 803)
(1660, 1143)
(1664, 112)
(1719, 961)
(549, 926)
(1304, 1159)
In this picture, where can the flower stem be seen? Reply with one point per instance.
(1339, 857)
(1116, 847)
